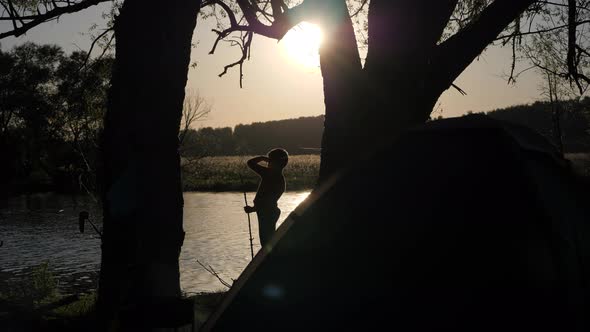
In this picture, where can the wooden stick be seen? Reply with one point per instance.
(248, 214)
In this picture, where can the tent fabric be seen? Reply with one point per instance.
(467, 224)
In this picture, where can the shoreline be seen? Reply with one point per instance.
(204, 190)
(78, 312)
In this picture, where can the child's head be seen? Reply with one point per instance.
(278, 157)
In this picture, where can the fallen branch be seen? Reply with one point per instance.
(212, 272)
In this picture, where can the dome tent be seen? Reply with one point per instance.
(466, 224)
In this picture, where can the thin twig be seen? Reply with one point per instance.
(50, 14)
(461, 91)
(85, 62)
(215, 274)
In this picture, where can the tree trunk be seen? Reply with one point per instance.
(405, 72)
(366, 108)
(342, 72)
(142, 196)
(398, 65)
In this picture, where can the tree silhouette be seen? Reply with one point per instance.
(195, 108)
(415, 50)
(142, 201)
(50, 115)
(140, 176)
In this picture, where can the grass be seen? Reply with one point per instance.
(84, 306)
(80, 315)
(38, 288)
(33, 303)
(41, 308)
(223, 173)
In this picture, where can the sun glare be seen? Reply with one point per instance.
(302, 44)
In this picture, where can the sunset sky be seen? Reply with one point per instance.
(278, 84)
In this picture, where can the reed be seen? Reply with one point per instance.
(223, 173)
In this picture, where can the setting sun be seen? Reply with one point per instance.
(302, 44)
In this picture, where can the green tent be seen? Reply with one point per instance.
(467, 224)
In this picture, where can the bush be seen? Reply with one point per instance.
(38, 288)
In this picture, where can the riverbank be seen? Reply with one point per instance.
(207, 174)
(225, 174)
(35, 302)
(77, 313)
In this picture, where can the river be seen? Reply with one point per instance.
(42, 228)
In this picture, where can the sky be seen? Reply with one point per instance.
(276, 85)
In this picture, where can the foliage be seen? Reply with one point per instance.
(42, 285)
(561, 45)
(37, 288)
(298, 136)
(84, 306)
(554, 31)
(574, 121)
(303, 135)
(51, 107)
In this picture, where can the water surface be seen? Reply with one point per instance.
(44, 227)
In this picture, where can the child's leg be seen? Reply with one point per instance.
(267, 221)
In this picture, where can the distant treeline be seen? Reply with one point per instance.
(52, 106)
(574, 121)
(303, 135)
(298, 136)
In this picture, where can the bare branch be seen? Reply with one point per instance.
(511, 79)
(195, 108)
(52, 12)
(284, 19)
(572, 68)
(215, 274)
(535, 32)
(461, 91)
(360, 8)
(106, 47)
(457, 52)
(85, 62)
(277, 7)
(244, 45)
(221, 35)
(230, 14)
(281, 24)
(558, 4)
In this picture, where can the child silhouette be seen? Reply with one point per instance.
(272, 186)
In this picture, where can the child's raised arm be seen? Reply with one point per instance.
(254, 164)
